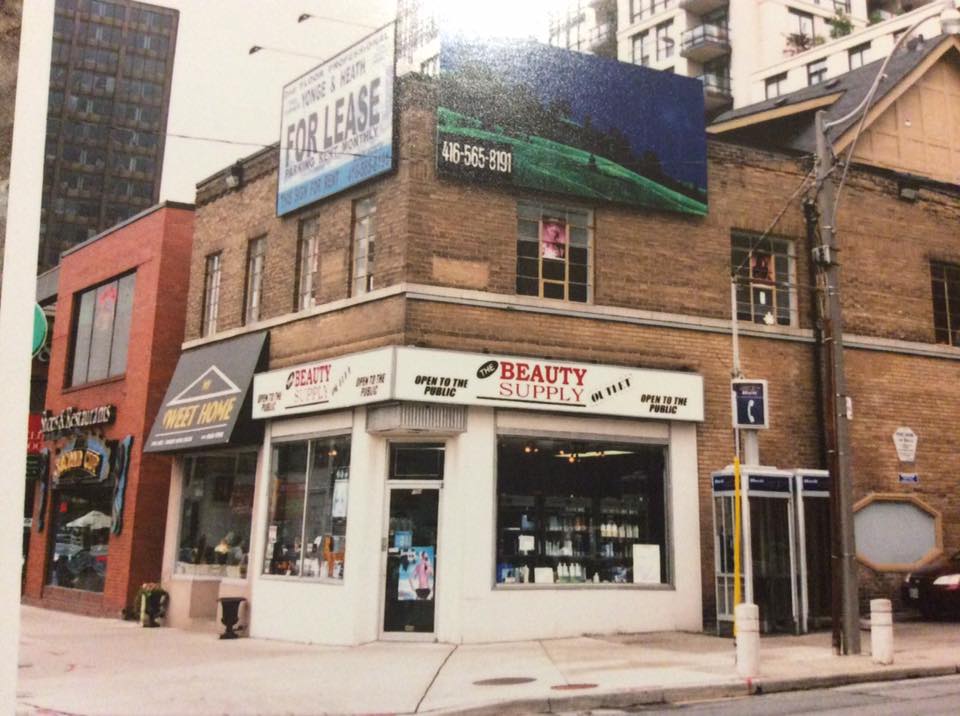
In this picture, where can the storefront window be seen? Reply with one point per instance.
(580, 512)
(215, 514)
(81, 526)
(307, 530)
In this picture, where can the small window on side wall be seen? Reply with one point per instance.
(764, 270)
(945, 280)
(553, 252)
(102, 331)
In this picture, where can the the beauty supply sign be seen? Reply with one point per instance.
(539, 384)
(336, 126)
(434, 376)
(324, 385)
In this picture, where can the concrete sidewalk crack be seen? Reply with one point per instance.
(563, 676)
(434, 679)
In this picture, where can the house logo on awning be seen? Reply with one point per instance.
(214, 383)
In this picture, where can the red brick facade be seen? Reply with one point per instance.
(157, 245)
(446, 266)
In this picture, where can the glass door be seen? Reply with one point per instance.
(411, 578)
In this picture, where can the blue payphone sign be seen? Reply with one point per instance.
(749, 404)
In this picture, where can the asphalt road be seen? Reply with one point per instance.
(890, 698)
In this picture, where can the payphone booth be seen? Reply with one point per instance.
(812, 491)
(770, 559)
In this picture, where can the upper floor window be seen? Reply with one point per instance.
(364, 236)
(764, 269)
(801, 23)
(945, 278)
(308, 258)
(641, 48)
(774, 86)
(553, 252)
(256, 251)
(664, 41)
(817, 72)
(857, 56)
(211, 295)
(102, 331)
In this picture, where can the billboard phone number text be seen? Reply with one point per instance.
(475, 156)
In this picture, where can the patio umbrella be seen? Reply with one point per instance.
(94, 519)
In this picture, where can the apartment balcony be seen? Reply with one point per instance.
(716, 91)
(702, 7)
(704, 43)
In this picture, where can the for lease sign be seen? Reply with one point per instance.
(337, 123)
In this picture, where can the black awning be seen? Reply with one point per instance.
(208, 400)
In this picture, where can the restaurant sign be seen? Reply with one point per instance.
(73, 419)
(83, 459)
(436, 376)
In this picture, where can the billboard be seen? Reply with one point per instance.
(531, 116)
(336, 126)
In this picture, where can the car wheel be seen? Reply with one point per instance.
(927, 612)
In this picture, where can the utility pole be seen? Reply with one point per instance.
(846, 600)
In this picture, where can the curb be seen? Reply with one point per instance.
(631, 698)
(773, 686)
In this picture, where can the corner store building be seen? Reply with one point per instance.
(445, 279)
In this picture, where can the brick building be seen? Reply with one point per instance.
(100, 508)
(440, 295)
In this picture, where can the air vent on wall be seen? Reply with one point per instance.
(416, 418)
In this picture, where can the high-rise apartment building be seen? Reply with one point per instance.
(110, 78)
(746, 51)
(586, 26)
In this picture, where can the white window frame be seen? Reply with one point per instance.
(364, 245)
(782, 247)
(253, 295)
(211, 293)
(308, 262)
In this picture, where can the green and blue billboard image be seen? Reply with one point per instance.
(531, 116)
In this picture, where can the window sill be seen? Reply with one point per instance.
(94, 384)
(207, 578)
(301, 580)
(583, 585)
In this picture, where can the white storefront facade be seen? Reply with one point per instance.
(407, 493)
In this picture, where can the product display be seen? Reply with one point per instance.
(580, 513)
(580, 539)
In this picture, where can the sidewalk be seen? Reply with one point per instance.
(79, 665)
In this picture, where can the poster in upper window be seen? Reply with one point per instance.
(336, 127)
(553, 238)
(523, 114)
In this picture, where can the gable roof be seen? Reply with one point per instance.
(792, 115)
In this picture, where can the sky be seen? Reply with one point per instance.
(223, 93)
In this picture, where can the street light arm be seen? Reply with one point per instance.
(868, 98)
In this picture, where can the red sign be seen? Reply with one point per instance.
(34, 434)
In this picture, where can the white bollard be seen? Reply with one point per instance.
(747, 618)
(881, 631)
